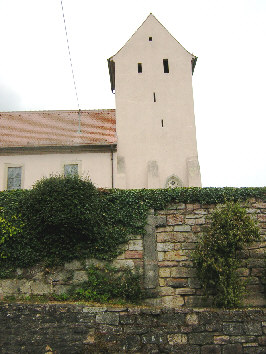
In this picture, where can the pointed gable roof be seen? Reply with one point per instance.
(149, 19)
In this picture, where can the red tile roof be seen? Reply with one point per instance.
(57, 128)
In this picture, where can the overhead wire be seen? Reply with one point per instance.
(71, 65)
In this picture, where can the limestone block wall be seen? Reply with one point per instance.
(178, 283)
(69, 328)
(163, 255)
(40, 280)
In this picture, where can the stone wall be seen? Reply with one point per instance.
(164, 255)
(178, 283)
(69, 329)
(40, 280)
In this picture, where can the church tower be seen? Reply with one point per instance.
(151, 76)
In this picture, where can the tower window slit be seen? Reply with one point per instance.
(162, 123)
(154, 97)
(165, 66)
(139, 67)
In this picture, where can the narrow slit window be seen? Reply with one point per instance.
(154, 97)
(139, 67)
(165, 66)
(150, 39)
(162, 123)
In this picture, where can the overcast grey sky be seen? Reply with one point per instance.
(228, 36)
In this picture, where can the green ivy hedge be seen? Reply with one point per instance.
(61, 219)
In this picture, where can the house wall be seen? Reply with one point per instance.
(96, 165)
(152, 153)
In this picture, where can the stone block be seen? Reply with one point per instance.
(252, 328)
(256, 263)
(166, 291)
(95, 262)
(192, 319)
(110, 318)
(165, 229)
(175, 219)
(177, 339)
(183, 272)
(200, 338)
(135, 245)
(168, 264)
(177, 283)
(200, 221)
(74, 265)
(133, 254)
(166, 246)
(123, 263)
(162, 282)
(185, 291)
(9, 286)
(233, 328)
(164, 272)
(221, 339)
(131, 343)
(24, 287)
(182, 228)
(172, 301)
(211, 349)
(174, 256)
(39, 288)
(94, 309)
(160, 256)
(232, 349)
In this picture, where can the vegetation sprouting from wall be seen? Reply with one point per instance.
(61, 219)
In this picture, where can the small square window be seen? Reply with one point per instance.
(14, 178)
(150, 39)
(71, 170)
(139, 67)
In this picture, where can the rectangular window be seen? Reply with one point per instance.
(71, 170)
(14, 178)
(139, 67)
(165, 66)
(150, 39)
(154, 97)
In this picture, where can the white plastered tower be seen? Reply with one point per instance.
(152, 79)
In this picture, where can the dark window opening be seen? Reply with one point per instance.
(139, 68)
(165, 66)
(162, 122)
(150, 39)
(154, 97)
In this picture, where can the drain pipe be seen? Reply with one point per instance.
(112, 165)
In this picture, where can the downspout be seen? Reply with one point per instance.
(112, 166)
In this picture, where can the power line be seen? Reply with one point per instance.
(73, 76)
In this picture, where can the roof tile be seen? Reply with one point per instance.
(57, 128)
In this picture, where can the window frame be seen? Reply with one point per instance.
(71, 162)
(14, 165)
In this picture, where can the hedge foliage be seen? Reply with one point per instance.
(63, 218)
(217, 254)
